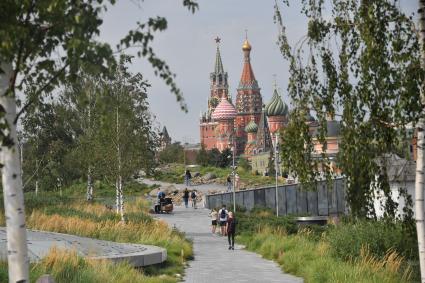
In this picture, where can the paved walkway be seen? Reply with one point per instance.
(213, 261)
(40, 242)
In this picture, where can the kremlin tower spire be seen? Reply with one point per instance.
(219, 86)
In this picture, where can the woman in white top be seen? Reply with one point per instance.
(213, 215)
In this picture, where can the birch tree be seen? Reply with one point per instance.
(44, 43)
(126, 131)
(358, 62)
(420, 161)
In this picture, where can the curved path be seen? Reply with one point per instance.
(213, 261)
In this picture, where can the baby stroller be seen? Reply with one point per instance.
(167, 205)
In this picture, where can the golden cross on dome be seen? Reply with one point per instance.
(246, 34)
(274, 81)
(217, 40)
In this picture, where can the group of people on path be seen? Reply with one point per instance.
(227, 221)
(192, 194)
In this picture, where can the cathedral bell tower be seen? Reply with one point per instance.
(248, 98)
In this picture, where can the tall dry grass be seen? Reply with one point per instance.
(67, 266)
(97, 221)
(313, 260)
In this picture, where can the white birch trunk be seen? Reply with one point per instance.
(89, 185)
(117, 196)
(17, 251)
(120, 193)
(420, 161)
(36, 176)
(89, 171)
(121, 199)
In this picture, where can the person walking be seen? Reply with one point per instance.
(160, 198)
(186, 197)
(231, 230)
(223, 213)
(214, 216)
(193, 197)
(229, 183)
(187, 177)
(236, 188)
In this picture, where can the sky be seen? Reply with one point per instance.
(189, 48)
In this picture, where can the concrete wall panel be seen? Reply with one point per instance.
(291, 199)
(322, 198)
(301, 201)
(248, 200)
(270, 198)
(259, 198)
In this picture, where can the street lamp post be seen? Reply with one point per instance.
(233, 174)
(276, 168)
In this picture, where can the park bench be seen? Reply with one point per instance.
(310, 220)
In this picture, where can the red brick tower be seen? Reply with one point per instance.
(219, 88)
(248, 99)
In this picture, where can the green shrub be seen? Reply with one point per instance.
(347, 239)
(251, 223)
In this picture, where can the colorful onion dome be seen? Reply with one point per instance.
(246, 45)
(251, 127)
(276, 107)
(224, 111)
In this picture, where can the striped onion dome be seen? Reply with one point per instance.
(224, 111)
(276, 106)
(251, 127)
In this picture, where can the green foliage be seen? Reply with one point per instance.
(371, 82)
(79, 132)
(202, 157)
(244, 164)
(314, 262)
(257, 219)
(331, 253)
(379, 236)
(172, 154)
(214, 157)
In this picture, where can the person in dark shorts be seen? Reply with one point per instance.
(231, 230)
(214, 216)
(223, 214)
(186, 197)
(193, 196)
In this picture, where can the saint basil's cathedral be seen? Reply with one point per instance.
(248, 123)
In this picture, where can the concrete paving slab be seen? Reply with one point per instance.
(213, 261)
(40, 242)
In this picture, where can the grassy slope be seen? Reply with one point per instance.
(174, 174)
(72, 215)
(309, 253)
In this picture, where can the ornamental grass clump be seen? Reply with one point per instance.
(314, 260)
(97, 221)
(67, 266)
